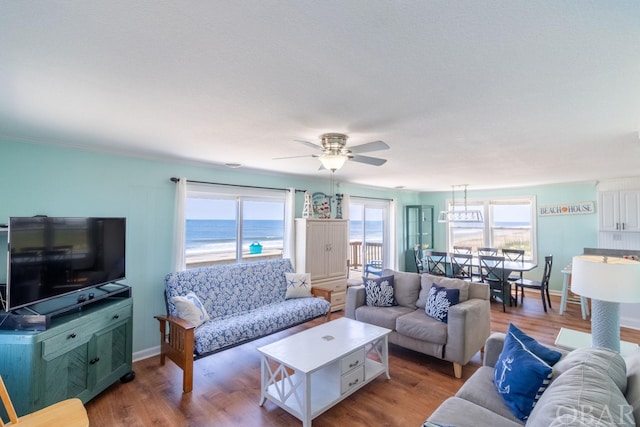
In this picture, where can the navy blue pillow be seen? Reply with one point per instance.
(379, 291)
(439, 301)
(520, 376)
(547, 354)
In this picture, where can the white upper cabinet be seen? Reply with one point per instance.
(619, 210)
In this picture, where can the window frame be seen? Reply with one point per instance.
(488, 227)
(240, 195)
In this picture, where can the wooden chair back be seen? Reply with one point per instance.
(461, 265)
(492, 273)
(436, 263)
(492, 268)
(487, 251)
(462, 249)
(516, 255)
(417, 255)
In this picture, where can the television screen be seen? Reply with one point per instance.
(50, 257)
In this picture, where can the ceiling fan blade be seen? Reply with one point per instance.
(375, 161)
(309, 144)
(295, 157)
(368, 147)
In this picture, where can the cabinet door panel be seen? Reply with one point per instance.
(111, 352)
(609, 210)
(630, 210)
(66, 375)
(316, 247)
(337, 249)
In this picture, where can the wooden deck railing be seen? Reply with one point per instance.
(372, 251)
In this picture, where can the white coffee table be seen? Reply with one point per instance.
(309, 372)
(570, 339)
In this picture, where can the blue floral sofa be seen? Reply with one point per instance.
(243, 302)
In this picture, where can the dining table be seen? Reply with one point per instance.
(509, 266)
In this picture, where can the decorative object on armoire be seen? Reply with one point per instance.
(608, 281)
(339, 206)
(306, 208)
(321, 206)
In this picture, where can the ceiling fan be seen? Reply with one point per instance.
(335, 151)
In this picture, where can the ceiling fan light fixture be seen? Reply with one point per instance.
(331, 161)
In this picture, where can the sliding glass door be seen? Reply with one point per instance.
(368, 225)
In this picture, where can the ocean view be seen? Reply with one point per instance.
(215, 236)
(207, 236)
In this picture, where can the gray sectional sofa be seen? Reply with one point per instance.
(469, 322)
(589, 387)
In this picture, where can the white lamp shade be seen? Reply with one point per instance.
(332, 162)
(613, 280)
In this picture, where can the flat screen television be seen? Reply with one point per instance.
(52, 256)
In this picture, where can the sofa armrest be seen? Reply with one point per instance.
(178, 345)
(468, 327)
(355, 299)
(320, 292)
(493, 348)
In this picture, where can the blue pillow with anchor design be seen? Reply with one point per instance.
(520, 376)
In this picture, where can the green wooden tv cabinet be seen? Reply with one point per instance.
(81, 354)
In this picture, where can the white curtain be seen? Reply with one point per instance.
(393, 234)
(288, 250)
(345, 206)
(179, 227)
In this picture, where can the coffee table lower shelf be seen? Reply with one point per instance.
(325, 389)
(306, 392)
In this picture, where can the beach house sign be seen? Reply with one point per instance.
(576, 208)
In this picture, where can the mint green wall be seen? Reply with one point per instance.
(562, 236)
(38, 179)
(55, 181)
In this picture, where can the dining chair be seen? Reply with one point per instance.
(462, 249)
(543, 284)
(493, 274)
(514, 255)
(417, 256)
(484, 252)
(67, 413)
(488, 251)
(461, 266)
(436, 263)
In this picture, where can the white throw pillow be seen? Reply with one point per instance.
(298, 285)
(190, 308)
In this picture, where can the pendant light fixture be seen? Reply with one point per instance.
(465, 215)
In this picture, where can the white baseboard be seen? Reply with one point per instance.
(630, 322)
(147, 353)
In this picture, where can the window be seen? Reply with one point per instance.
(508, 224)
(223, 226)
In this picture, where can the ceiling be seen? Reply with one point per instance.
(486, 93)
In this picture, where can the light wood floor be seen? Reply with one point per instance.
(226, 385)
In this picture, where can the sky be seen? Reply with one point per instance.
(226, 209)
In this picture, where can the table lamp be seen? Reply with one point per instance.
(607, 281)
